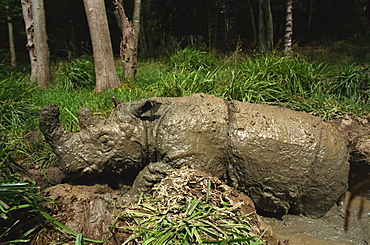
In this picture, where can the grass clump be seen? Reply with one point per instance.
(20, 200)
(352, 83)
(16, 107)
(21, 212)
(274, 79)
(201, 212)
(188, 71)
(191, 59)
(76, 74)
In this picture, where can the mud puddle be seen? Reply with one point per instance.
(328, 230)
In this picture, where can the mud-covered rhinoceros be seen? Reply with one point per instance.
(286, 161)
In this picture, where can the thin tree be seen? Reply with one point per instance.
(310, 16)
(13, 62)
(265, 22)
(289, 29)
(28, 22)
(136, 20)
(41, 44)
(105, 70)
(128, 48)
(253, 23)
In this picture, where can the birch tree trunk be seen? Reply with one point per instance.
(136, 21)
(105, 70)
(41, 45)
(128, 44)
(13, 62)
(289, 29)
(28, 22)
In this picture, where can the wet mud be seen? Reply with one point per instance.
(328, 230)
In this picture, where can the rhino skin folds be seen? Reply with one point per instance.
(286, 161)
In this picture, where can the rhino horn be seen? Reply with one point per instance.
(87, 118)
(50, 125)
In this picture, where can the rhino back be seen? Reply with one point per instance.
(287, 159)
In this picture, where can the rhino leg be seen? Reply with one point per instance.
(149, 176)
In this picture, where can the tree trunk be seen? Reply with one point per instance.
(265, 33)
(136, 20)
(253, 23)
(289, 29)
(28, 22)
(215, 27)
(262, 41)
(117, 18)
(128, 44)
(105, 70)
(310, 16)
(269, 25)
(41, 45)
(13, 62)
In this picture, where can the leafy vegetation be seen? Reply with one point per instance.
(20, 200)
(326, 89)
(189, 207)
(187, 221)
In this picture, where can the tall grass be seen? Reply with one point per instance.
(16, 107)
(266, 79)
(352, 83)
(315, 87)
(75, 74)
(20, 200)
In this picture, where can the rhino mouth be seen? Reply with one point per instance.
(117, 172)
(90, 176)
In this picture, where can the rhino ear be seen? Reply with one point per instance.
(116, 102)
(86, 118)
(145, 108)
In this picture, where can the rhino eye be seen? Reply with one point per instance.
(106, 143)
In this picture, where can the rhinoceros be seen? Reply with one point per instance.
(286, 161)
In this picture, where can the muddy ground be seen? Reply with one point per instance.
(97, 203)
(328, 230)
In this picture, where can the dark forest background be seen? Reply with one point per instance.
(168, 23)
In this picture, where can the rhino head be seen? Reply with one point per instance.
(102, 146)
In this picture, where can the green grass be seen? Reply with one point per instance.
(20, 200)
